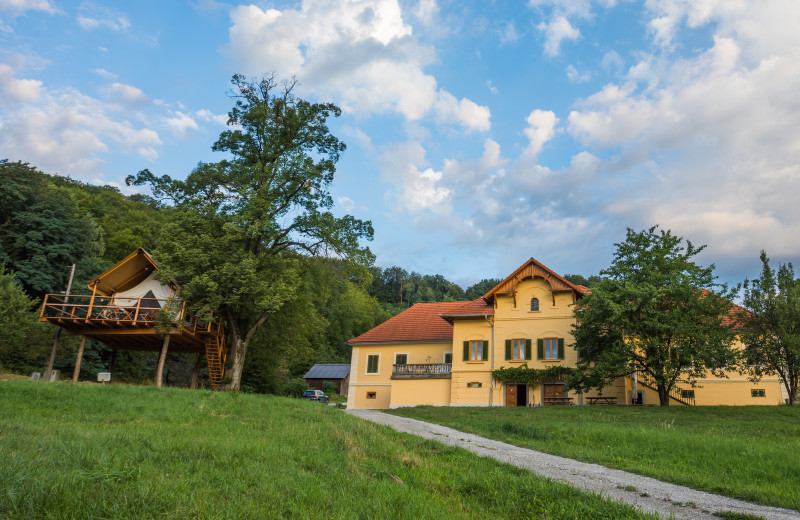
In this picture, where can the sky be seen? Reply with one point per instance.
(479, 134)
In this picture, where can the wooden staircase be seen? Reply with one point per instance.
(215, 356)
(675, 394)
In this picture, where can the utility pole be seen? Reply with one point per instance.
(58, 331)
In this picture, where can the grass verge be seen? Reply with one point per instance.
(751, 453)
(125, 452)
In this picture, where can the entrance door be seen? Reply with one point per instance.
(511, 395)
(550, 390)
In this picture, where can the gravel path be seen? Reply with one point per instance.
(649, 495)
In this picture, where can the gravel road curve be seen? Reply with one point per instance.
(650, 495)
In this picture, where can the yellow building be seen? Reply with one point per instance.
(444, 354)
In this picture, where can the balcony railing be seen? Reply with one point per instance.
(101, 311)
(422, 371)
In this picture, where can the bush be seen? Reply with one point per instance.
(329, 387)
(295, 387)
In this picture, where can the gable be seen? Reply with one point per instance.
(533, 269)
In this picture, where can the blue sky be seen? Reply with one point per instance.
(479, 134)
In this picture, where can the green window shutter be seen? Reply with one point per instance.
(527, 349)
(508, 349)
(540, 348)
(486, 351)
(466, 351)
(560, 348)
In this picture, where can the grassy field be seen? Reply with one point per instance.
(119, 452)
(752, 453)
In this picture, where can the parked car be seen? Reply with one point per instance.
(315, 395)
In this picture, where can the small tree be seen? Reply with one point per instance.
(238, 226)
(770, 326)
(655, 312)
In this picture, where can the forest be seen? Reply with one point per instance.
(49, 222)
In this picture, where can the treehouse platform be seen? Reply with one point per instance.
(129, 309)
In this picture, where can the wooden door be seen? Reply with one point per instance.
(553, 390)
(511, 395)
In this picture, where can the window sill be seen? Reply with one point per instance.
(551, 360)
(475, 362)
(518, 360)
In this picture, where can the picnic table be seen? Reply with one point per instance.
(601, 400)
(556, 401)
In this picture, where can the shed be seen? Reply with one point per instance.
(336, 374)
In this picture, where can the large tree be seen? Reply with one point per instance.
(770, 326)
(237, 226)
(655, 312)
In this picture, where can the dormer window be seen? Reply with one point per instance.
(534, 304)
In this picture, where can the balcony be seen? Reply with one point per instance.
(422, 371)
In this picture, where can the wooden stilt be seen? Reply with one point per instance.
(196, 371)
(161, 359)
(78, 360)
(113, 362)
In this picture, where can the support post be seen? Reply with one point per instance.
(196, 371)
(161, 358)
(78, 360)
(58, 331)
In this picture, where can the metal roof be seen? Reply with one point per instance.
(328, 372)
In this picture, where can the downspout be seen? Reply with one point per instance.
(491, 385)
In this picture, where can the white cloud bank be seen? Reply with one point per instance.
(359, 51)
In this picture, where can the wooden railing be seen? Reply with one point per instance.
(136, 312)
(675, 393)
(422, 371)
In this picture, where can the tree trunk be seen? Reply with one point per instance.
(663, 395)
(161, 358)
(196, 371)
(238, 350)
(78, 359)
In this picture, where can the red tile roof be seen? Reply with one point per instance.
(420, 322)
(479, 307)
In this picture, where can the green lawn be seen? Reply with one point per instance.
(118, 452)
(752, 453)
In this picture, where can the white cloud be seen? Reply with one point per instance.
(541, 128)
(492, 88)
(93, 16)
(578, 77)
(15, 89)
(359, 51)
(509, 33)
(426, 11)
(556, 31)
(66, 131)
(20, 6)
(347, 203)
(207, 115)
(612, 61)
(103, 73)
(126, 94)
(416, 188)
(179, 123)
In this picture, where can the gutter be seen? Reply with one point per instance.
(491, 384)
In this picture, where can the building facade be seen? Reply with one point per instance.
(444, 354)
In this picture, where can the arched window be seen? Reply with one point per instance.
(534, 304)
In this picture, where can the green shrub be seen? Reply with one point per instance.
(295, 387)
(329, 388)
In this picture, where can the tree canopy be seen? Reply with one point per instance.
(655, 312)
(240, 226)
(770, 326)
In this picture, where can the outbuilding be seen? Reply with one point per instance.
(336, 374)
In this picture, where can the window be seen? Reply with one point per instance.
(518, 349)
(400, 359)
(448, 357)
(550, 348)
(474, 384)
(687, 394)
(534, 304)
(372, 363)
(476, 350)
(758, 392)
(371, 395)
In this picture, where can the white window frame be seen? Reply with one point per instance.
(444, 357)
(366, 364)
(401, 354)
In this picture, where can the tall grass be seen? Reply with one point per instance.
(752, 453)
(119, 452)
